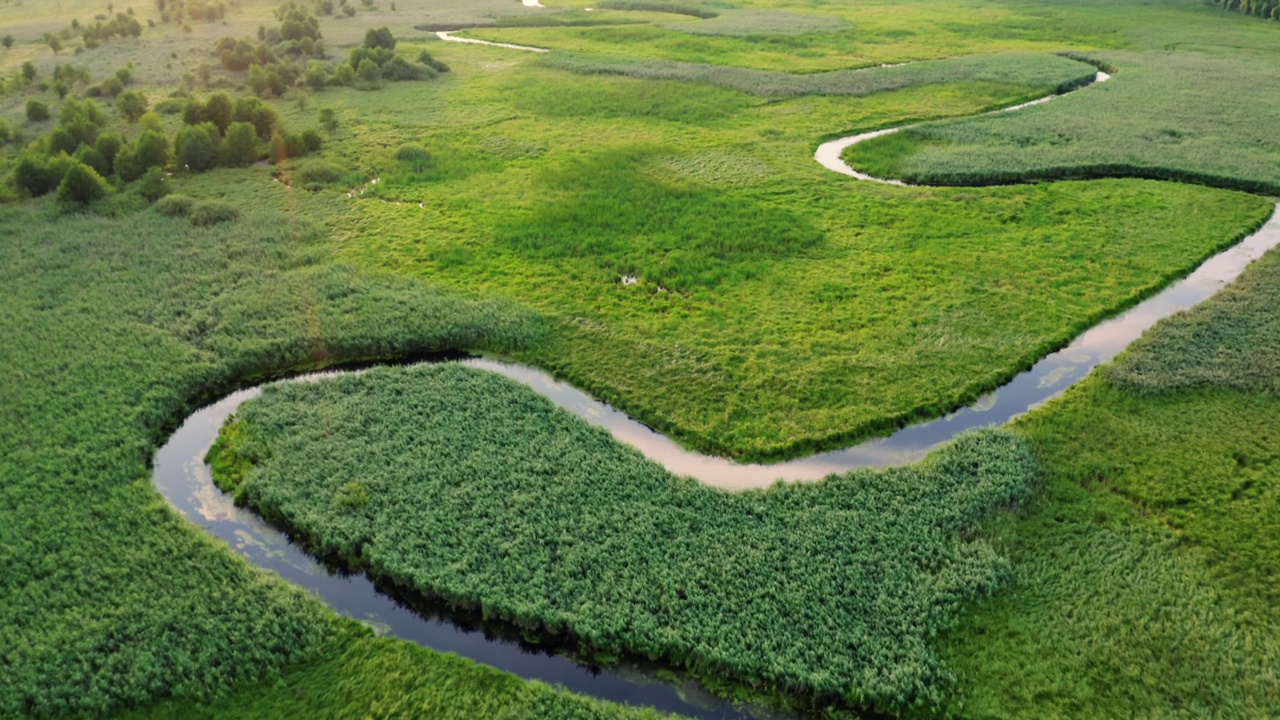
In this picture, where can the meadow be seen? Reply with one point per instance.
(1189, 117)
(1146, 566)
(779, 309)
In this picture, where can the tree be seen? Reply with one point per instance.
(28, 71)
(34, 176)
(81, 186)
(240, 148)
(55, 42)
(369, 73)
(344, 75)
(108, 145)
(131, 104)
(316, 76)
(61, 140)
(151, 150)
(37, 111)
(218, 110)
(379, 38)
(195, 147)
(7, 41)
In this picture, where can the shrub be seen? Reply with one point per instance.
(379, 38)
(344, 75)
(175, 205)
(81, 186)
(415, 156)
(61, 140)
(6, 132)
(94, 159)
(312, 140)
(369, 74)
(328, 119)
(37, 111)
(33, 176)
(131, 104)
(316, 172)
(151, 150)
(153, 185)
(112, 87)
(151, 121)
(195, 147)
(425, 58)
(108, 145)
(212, 212)
(240, 148)
(218, 110)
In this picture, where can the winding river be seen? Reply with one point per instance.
(181, 475)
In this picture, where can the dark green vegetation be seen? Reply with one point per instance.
(134, 604)
(1198, 118)
(556, 528)
(1267, 9)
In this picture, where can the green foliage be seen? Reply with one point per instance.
(368, 74)
(94, 159)
(360, 675)
(379, 38)
(81, 186)
(195, 147)
(1161, 117)
(175, 205)
(212, 212)
(316, 172)
(151, 150)
(1049, 72)
(557, 528)
(37, 111)
(165, 316)
(131, 104)
(32, 175)
(108, 146)
(1265, 9)
(153, 185)
(219, 110)
(240, 147)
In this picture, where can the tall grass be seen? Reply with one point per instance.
(466, 487)
(114, 328)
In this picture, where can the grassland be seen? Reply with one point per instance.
(110, 599)
(1191, 117)
(1146, 569)
(897, 302)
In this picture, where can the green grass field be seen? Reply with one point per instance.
(780, 308)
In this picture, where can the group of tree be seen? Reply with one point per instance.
(1268, 9)
(180, 11)
(80, 158)
(123, 25)
(373, 62)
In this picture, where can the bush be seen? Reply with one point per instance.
(131, 104)
(425, 58)
(316, 172)
(175, 205)
(240, 148)
(33, 176)
(94, 159)
(415, 156)
(328, 119)
(151, 150)
(108, 145)
(379, 38)
(344, 75)
(195, 147)
(212, 212)
(153, 185)
(81, 186)
(61, 140)
(37, 111)
(312, 140)
(369, 74)
(218, 110)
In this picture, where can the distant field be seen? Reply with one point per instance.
(1176, 116)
